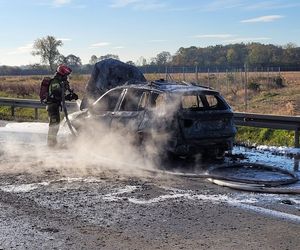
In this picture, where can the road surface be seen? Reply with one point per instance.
(48, 200)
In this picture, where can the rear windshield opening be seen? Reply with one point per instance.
(202, 102)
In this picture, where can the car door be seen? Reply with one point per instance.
(131, 110)
(103, 109)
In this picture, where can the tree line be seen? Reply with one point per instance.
(255, 55)
(239, 55)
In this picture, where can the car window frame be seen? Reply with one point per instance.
(93, 109)
(206, 107)
(145, 91)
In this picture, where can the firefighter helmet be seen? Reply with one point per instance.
(63, 70)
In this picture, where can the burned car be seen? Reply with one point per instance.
(192, 119)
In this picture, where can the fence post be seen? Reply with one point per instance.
(269, 78)
(208, 77)
(246, 88)
(218, 75)
(227, 82)
(196, 72)
(166, 73)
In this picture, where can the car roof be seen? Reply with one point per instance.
(171, 87)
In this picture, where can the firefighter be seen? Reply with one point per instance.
(54, 100)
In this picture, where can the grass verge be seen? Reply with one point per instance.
(23, 114)
(264, 136)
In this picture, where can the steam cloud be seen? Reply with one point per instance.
(96, 150)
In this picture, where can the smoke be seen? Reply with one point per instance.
(98, 149)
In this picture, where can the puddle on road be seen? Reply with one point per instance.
(267, 157)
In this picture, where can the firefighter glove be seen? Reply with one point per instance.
(71, 96)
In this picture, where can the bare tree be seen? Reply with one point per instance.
(108, 56)
(47, 48)
(93, 60)
(73, 61)
(141, 61)
(163, 58)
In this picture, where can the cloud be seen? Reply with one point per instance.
(101, 44)
(157, 41)
(272, 5)
(64, 39)
(223, 4)
(22, 50)
(138, 4)
(246, 39)
(122, 3)
(118, 47)
(263, 19)
(79, 6)
(214, 36)
(59, 3)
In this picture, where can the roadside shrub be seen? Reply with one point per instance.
(254, 86)
(230, 77)
(278, 82)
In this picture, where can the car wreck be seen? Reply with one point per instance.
(193, 120)
(107, 74)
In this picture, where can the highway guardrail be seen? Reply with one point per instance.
(240, 119)
(269, 121)
(14, 103)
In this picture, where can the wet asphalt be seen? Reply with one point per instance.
(42, 207)
(114, 211)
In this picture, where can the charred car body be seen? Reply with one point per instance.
(192, 119)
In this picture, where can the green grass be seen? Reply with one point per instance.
(265, 136)
(22, 114)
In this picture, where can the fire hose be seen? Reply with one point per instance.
(64, 107)
(264, 186)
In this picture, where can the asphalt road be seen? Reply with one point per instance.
(51, 200)
(111, 211)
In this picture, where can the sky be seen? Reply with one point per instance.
(135, 28)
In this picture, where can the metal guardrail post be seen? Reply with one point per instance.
(13, 111)
(297, 138)
(36, 114)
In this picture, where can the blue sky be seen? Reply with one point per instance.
(134, 28)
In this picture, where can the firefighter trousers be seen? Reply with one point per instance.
(54, 120)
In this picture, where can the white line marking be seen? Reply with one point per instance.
(266, 211)
(239, 201)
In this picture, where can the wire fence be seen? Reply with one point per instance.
(238, 85)
(150, 69)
